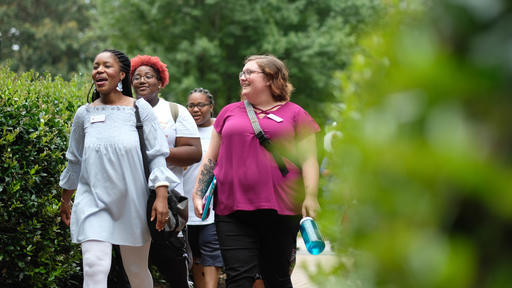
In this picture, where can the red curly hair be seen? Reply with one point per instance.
(153, 62)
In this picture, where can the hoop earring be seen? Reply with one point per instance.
(119, 87)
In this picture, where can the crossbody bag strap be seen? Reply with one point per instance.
(142, 143)
(171, 199)
(263, 139)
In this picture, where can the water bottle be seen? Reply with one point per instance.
(311, 236)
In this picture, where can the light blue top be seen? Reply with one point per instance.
(106, 169)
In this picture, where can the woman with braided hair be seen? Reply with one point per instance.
(202, 235)
(105, 168)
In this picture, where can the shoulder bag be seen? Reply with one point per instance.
(178, 204)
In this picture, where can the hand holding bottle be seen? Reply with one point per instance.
(311, 236)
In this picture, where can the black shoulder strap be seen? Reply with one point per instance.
(263, 139)
(171, 199)
(142, 143)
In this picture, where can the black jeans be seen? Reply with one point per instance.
(172, 259)
(255, 242)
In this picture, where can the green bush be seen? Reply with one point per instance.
(424, 167)
(35, 115)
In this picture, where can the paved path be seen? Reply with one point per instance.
(300, 278)
(305, 261)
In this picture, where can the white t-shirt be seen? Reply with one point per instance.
(189, 180)
(185, 126)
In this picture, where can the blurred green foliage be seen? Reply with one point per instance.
(423, 170)
(205, 42)
(46, 35)
(35, 115)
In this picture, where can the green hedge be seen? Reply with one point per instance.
(35, 115)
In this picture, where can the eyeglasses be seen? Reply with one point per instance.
(148, 77)
(191, 106)
(247, 73)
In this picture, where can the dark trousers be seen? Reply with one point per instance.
(172, 258)
(253, 242)
(117, 277)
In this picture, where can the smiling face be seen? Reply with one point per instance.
(201, 115)
(253, 80)
(106, 73)
(145, 83)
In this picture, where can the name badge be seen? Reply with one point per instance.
(98, 118)
(275, 118)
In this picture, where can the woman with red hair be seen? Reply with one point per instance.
(159, 71)
(148, 76)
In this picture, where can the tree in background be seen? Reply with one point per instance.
(45, 35)
(424, 167)
(205, 42)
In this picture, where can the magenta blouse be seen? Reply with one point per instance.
(247, 176)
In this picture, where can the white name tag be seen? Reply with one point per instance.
(98, 118)
(275, 118)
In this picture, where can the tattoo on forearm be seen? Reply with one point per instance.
(205, 177)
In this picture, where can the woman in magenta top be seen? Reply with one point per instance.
(257, 208)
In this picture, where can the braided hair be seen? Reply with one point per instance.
(203, 91)
(124, 62)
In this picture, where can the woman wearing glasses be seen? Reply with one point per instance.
(149, 75)
(257, 207)
(202, 235)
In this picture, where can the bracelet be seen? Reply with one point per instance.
(70, 203)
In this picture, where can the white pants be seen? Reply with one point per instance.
(97, 258)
